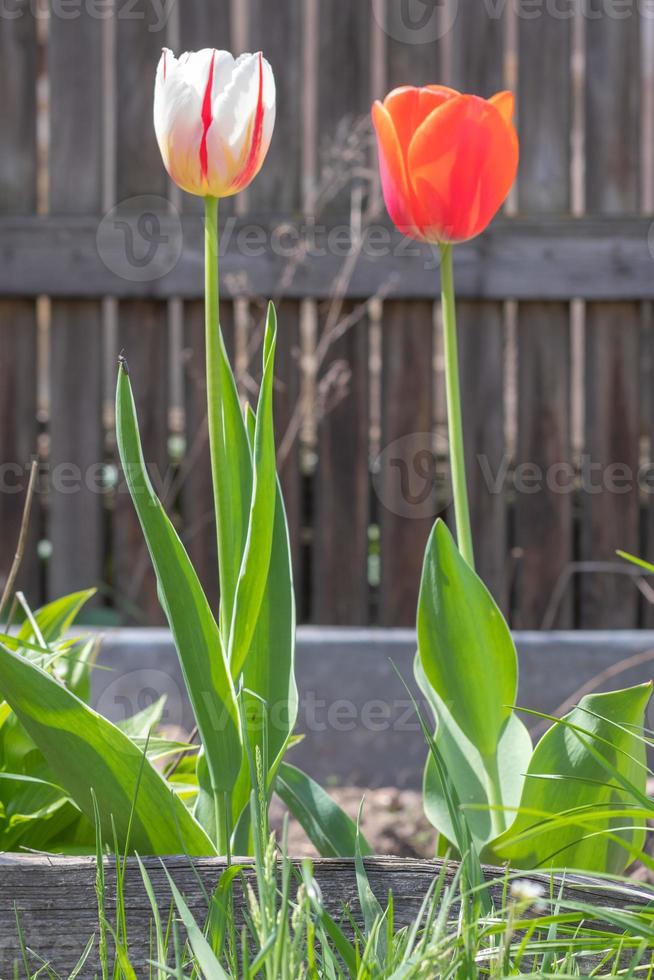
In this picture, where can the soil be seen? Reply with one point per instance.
(394, 824)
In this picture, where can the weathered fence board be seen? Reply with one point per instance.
(544, 257)
(477, 64)
(18, 328)
(342, 503)
(142, 325)
(76, 513)
(610, 519)
(543, 532)
(55, 899)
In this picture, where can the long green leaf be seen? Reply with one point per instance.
(256, 556)
(197, 638)
(87, 753)
(233, 475)
(269, 670)
(467, 669)
(55, 618)
(593, 741)
(469, 774)
(465, 646)
(328, 827)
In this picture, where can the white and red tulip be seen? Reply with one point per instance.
(214, 117)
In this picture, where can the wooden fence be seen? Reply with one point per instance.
(555, 302)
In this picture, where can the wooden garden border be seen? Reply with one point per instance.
(56, 903)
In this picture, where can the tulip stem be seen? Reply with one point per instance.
(212, 351)
(454, 417)
(214, 415)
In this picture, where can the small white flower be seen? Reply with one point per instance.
(527, 892)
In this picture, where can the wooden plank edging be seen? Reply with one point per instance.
(55, 897)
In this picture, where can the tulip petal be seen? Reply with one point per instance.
(178, 124)
(244, 118)
(252, 162)
(462, 162)
(409, 106)
(395, 185)
(504, 102)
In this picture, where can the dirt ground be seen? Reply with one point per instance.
(393, 823)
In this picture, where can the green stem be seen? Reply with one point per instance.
(454, 419)
(497, 815)
(212, 346)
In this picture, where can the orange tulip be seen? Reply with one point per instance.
(447, 160)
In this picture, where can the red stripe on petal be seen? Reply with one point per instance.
(207, 118)
(250, 165)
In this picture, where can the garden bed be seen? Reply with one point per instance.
(360, 728)
(55, 898)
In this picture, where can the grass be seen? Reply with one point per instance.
(268, 920)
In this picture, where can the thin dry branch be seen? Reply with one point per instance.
(22, 538)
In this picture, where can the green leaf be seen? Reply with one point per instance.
(253, 575)
(467, 668)
(197, 638)
(75, 667)
(596, 751)
(86, 752)
(465, 647)
(204, 955)
(476, 783)
(55, 618)
(270, 716)
(636, 561)
(233, 490)
(331, 831)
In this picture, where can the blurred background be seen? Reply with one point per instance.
(100, 252)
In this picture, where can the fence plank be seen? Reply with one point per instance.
(543, 520)
(277, 31)
(477, 62)
(76, 516)
(481, 329)
(610, 518)
(546, 257)
(342, 494)
(341, 512)
(142, 325)
(18, 425)
(406, 487)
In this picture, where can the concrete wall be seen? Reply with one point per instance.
(359, 726)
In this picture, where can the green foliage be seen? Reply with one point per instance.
(238, 666)
(553, 807)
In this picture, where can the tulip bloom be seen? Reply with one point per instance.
(447, 164)
(447, 160)
(214, 117)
